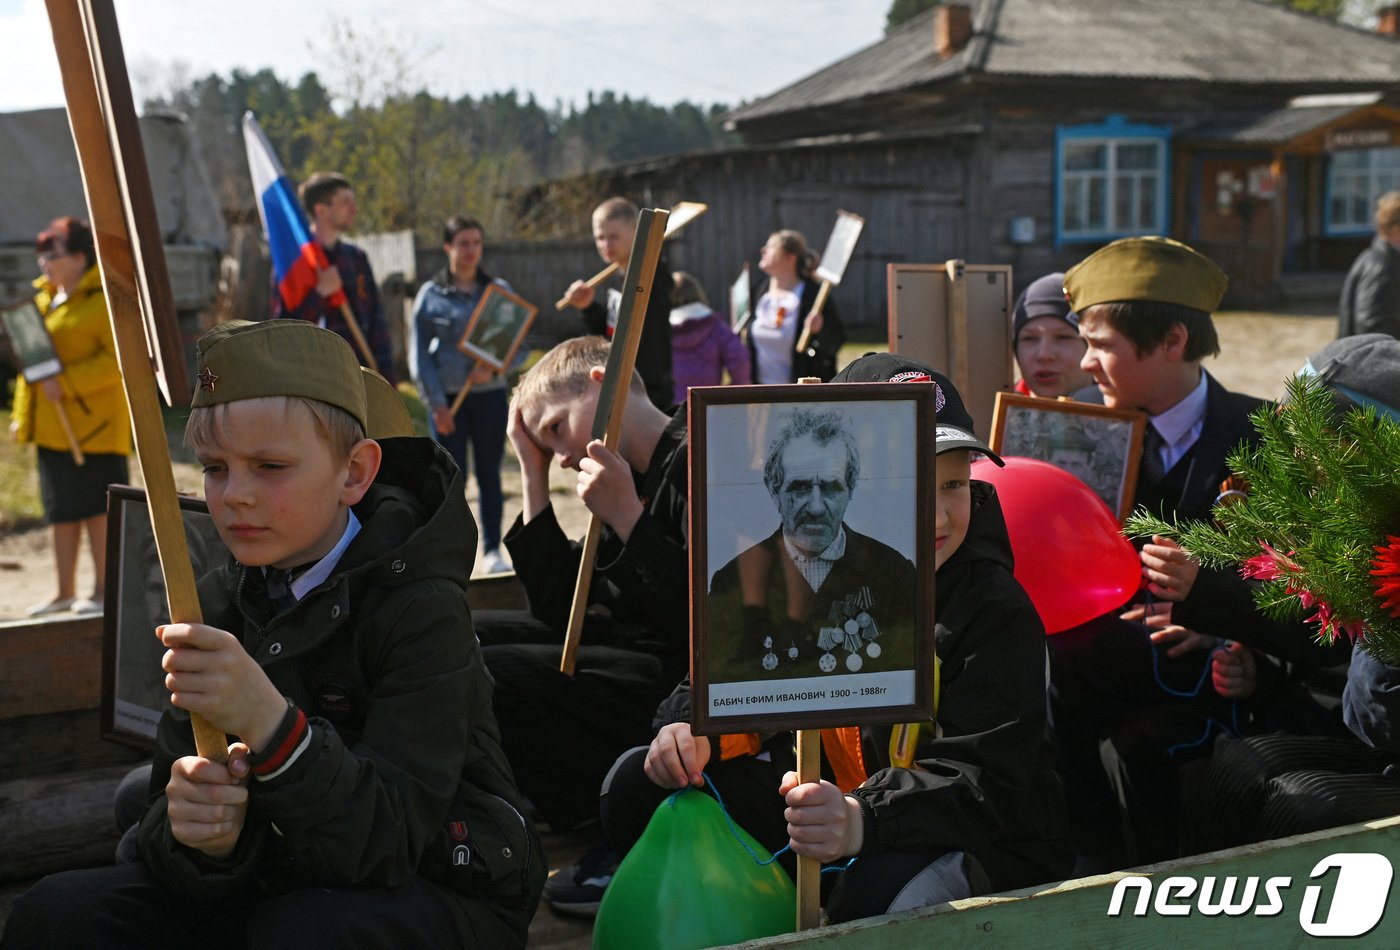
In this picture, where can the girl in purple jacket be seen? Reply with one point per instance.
(702, 344)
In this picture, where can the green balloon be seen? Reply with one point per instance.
(690, 883)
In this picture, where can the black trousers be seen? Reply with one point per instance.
(873, 884)
(1278, 785)
(123, 908)
(562, 733)
(1123, 731)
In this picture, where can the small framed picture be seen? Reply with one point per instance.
(1100, 446)
(30, 342)
(133, 683)
(740, 300)
(497, 327)
(811, 558)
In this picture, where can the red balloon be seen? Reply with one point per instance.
(1070, 556)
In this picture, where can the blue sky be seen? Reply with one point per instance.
(667, 50)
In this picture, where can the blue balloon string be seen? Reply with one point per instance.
(1211, 724)
(736, 831)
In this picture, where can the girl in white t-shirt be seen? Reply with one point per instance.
(781, 314)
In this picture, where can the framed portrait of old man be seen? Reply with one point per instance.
(812, 561)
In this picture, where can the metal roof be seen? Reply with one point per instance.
(1247, 42)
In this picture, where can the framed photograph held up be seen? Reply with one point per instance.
(812, 572)
(497, 327)
(840, 246)
(133, 683)
(29, 340)
(740, 300)
(1100, 446)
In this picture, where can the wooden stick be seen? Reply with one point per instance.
(809, 870)
(591, 282)
(958, 340)
(461, 397)
(681, 214)
(103, 121)
(612, 400)
(358, 334)
(809, 770)
(805, 339)
(74, 448)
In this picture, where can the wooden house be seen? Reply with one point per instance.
(1031, 132)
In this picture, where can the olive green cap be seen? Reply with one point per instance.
(388, 416)
(242, 359)
(1146, 268)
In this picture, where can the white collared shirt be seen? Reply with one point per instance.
(1181, 425)
(816, 567)
(308, 581)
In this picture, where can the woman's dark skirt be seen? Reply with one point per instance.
(72, 492)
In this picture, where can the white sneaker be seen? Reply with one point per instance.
(55, 606)
(86, 605)
(493, 563)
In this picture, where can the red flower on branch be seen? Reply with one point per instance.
(1269, 566)
(1386, 571)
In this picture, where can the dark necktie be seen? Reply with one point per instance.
(279, 590)
(1151, 470)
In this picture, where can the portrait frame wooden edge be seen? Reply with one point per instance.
(465, 346)
(43, 368)
(119, 500)
(701, 398)
(1135, 418)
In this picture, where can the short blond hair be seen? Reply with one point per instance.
(339, 430)
(562, 373)
(616, 209)
(1387, 211)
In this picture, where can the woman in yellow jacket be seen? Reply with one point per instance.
(90, 392)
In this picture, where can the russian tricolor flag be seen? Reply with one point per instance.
(296, 255)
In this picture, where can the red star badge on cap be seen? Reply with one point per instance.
(207, 379)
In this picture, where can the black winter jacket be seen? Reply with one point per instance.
(1370, 300)
(984, 780)
(654, 348)
(383, 660)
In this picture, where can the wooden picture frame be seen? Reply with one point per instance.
(1100, 446)
(756, 668)
(30, 342)
(497, 327)
(956, 319)
(133, 683)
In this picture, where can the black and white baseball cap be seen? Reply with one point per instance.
(954, 424)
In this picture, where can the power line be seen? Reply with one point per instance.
(629, 54)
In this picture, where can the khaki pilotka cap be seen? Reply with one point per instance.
(388, 416)
(246, 360)
(1146, 268)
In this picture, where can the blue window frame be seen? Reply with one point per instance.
(1110, 180)
(1356, 178)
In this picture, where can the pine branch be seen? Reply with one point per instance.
(1322, 494)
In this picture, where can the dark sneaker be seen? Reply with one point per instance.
(578, 888)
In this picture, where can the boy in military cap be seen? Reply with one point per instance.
(1145, 309)
(943, 812)
(366, 800)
